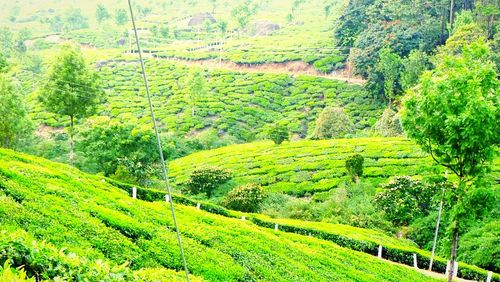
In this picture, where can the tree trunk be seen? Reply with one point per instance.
(71, 144)
(454, 246)
(452, 6)
(443, 25)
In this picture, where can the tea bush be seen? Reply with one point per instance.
(246, 198)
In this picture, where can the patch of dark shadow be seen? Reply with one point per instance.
(127, 229)
(15, 195)
(250, 271)
(203, 242)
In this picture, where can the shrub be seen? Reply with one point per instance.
(481, 245)
(45, 262)
(329, 64)
(8, 274)
(333, 123)
(404, 199)
(278, 133)
(354, 166)
(389, 124)
(206, 180)
(246, 198)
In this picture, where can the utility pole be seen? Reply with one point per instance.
(437, 224)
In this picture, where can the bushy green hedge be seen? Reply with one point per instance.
(390, 252)
(43, 261)
(150, 195)
(246, 198)
(400, 254)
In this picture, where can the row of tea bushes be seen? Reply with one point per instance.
(92, 218)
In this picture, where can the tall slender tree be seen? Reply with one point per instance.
(15, 125)
(454, 114)
(196, 89)
(72, 89)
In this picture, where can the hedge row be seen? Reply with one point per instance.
(392, 253)
(43, 261)
(403, 255)
(151, 195)
(92, 218)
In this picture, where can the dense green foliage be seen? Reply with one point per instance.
(389, 124)
(71, 89)
(453, 114)
(403, 199)
(246, 198)
(249, 70)
(206, 180)
(237, 104)
(278, 133)
(95, 219)
(15, 125)
(304, 167)
(354, 166)
(123, 150)
(333, 123)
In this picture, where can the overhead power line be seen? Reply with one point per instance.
(162, 159)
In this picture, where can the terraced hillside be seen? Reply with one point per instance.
(238, 104)
(310, 166)
(92, 218)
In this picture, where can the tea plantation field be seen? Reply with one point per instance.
(100, 224)
(311, 166)
(238, 104)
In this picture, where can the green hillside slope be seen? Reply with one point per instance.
(92, 218)
(311, 166)
(238, 104)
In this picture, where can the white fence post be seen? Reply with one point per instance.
(134, 192)
(275, 227)
(167, 198)
(490, 275)
(415, 264)
(198, 206)
(243, 217)
(379, 251)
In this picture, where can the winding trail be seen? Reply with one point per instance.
(294, 68)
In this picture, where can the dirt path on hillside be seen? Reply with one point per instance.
(292, 68)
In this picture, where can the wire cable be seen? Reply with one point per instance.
(164, 166)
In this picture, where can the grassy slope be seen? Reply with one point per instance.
(310, 166)
(237, 103)
(71, 209)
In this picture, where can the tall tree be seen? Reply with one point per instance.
(242, 14)
(74, 19)
(120, 149)
(413, 66)
(15, 125)
(72, 89)
(121, 17)
(333, 123)
(101, 13)
(389, 65)
(222, 27)
(196, 89)
(214, 5)
(454, 114)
